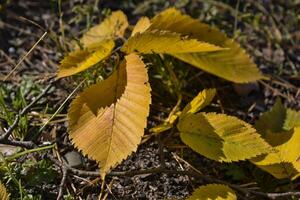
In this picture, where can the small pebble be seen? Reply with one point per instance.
(11, 50)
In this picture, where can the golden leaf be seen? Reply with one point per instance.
(232, 64)
(80, 60)
(165, 42)
(199, 102)
(107, 120)
(221, 137)
(213, 192)
(161, 128)
(284, 161)
(280, 128)
(292, 119)
(3, 193)
(141, 26)
(113, 26)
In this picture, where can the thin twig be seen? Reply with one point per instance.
(62, 183)
(191, 173)
(24, 144)
(8, 132)
(61, 106)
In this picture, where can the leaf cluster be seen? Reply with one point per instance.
(107, 119)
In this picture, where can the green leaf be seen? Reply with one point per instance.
(213, 192)
(220, 137)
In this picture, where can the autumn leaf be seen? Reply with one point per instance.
(203, 99)
(199, 102)
(80, 60)
(280, 128)
(213, 192)
(3, 193)
(233, 64)
(167, 42)
(221, 137)
(113, 26)
(141, 26)
(107, 120)
(292, 119)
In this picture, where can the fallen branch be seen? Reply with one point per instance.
(62, 183)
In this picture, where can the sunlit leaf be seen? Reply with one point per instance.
(232, 64)
(141, 26)
(284, 162)
(112, 27)
(203, 99)
(107, 120)
(221, 137)
(3, 193)
(165, 42)
(213, 192)
(80, 60)
(280, 128)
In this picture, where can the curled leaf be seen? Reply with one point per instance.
(199, 102)
(221, 137)
(107, 120)
(213, 192)
(233, 63)
(80, 60)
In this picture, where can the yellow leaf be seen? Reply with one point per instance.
(292, 119)
(213, 192)
(284, 162)
(161, 128)
(113, 26)
(221, 137)
(280, 128)
(80, 60)
(232, 64)
(165, 42)
(168, 124)
(272, 121)
(107, 120)
(3, 193)
(141, 26)
(199, 102)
